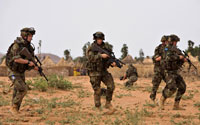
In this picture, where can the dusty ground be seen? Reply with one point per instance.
(76, 106)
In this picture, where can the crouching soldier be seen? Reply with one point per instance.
(131, 74)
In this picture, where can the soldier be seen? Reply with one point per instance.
(97, 70)
(173, 60)
(131, 74)
(17, 65)
(158, 70)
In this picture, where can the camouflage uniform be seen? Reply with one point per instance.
(174, 80)
(158, 71)
(132, 75)
(97, 71)
(16, 71)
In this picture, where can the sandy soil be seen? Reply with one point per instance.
(75, 106)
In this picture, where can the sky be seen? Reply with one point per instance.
(69, 24)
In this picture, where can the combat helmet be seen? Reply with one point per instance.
(174, 38)
(27, 31)
(99, 35)
(164, 38)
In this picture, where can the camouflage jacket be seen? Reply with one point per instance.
(171, 59)
(14, 53)
(158, 52)
(96, 65)
(131, 71)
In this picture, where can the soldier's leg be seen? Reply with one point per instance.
(169, 89)
(157, 78)
(20, 90)
(109, 82)
(95, 82)
(181, 90)
(131, 80)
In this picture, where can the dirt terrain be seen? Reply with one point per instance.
(75, 106)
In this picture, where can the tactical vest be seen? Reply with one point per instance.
(98, 66)
(17, 67)
(168, 61)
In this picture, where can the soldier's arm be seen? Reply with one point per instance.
(157, 56)
(17, 57)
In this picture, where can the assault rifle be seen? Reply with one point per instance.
(25, 52)
(96, 48)
(189, 61)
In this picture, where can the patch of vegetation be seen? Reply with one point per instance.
(149, 104)
(3, 102)
(188, 97)
(40, 111)
(83, 94)
(1, 82)
(121, 95)
(177, 115)
(148, 89)
(55, 81)
(67, 103)
(133, 118)
(40, 84)
(133, 88)
(59, 82)
(197, 104)
(50, 122)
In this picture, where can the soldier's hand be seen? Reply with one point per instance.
(31, 64)
(181, 57)
(185, 60)
(158, 58)
(104, 56)
(36, 68)
(114, 64)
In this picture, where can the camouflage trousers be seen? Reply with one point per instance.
(20, 89)
(156, 80)
(95, 81)
(174, 82)
(131, 80)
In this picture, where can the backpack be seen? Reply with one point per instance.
(9, 55)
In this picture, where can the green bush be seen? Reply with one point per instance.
(40, 84)
(55, 81)
(59, 82)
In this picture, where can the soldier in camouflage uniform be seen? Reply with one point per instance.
(97, 70)
(131, 74)
(17, 65)
(173, 59)
(158, 70)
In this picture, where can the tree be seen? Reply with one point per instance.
(39, 48)
(67, 54)
(124, 51)
(141, 54)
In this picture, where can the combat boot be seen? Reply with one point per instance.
(109, 106)
(162, 102)
(97, 101)
(177, 106)
(153, 96)
(14, 109)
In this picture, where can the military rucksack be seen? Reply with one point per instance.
(9, 56)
